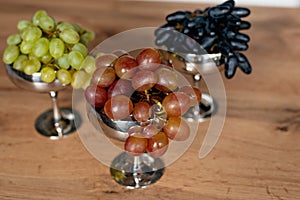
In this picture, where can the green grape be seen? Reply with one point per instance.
(89, 35)
(23, 24)
(81, 48)
(40, 47)
(89, 64)
(86, 37)
(48, 74)
(75, 58)
(14, 39)
(46, 58)
(31, 66)
(77, 28)
(69, 36)
(31, 34)
(63, 25)
(63, 62)
(11, 53)
(37, 16)
(86, 83)
(79, 79)
(26, 47)
(47, 23)
(64, 76)
(56, 47)
(19, 63)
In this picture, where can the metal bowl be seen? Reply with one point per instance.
(32, 82)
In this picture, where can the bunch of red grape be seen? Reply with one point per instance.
(144, 90)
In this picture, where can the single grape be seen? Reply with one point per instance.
(135, 146)
(144, 80)
(240, 12)
(104, 76)
(176, 104)
(31, 34)
(141, 111)
(105, 60)
(135, 131)
(148, 59)
(69, 36)
(125, 65)
(75, 58)
(64, 76)
(40, 47)
(23, 24)
(89, 64)
(96, 96)
(231, 64)
(48, 74)
(87, 37)
(11, 53)
(63, 61)
(26, 47)
(63, 25)
(158, 145)
(19, 62)
(37, 16)
(194, 94)
(177, 129)
(118, 107)
(56, 48)
(46, 23)
(77, 28)
(81, 48)
(80, 79)
(14, 39)
(46, 58)
(167, 79)
(149, 131)
(120, 86)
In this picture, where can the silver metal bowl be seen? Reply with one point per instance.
(32, 82)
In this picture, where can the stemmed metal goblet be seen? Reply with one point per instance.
(57, 122)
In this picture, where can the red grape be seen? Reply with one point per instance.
(105, 60)
(144, 80)
(118, 107)
(104, 76)
(120, 86)
(141, 111)
(158, 145)
(135, 131)
(150, 130)
(135, 146)
(125, 67)
(193, 93)
(148, 59)
(167, 79)
(176, 104)
(96, 96)
(177, 129)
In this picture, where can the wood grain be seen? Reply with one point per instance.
(257, 156)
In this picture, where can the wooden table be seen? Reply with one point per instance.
(257, 156)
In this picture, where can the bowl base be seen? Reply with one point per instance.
(70, 121)
(136, 171)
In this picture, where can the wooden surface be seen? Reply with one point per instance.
(257, 156)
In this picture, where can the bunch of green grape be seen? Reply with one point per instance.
(57, 50)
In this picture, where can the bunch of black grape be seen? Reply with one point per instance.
(216, 29)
